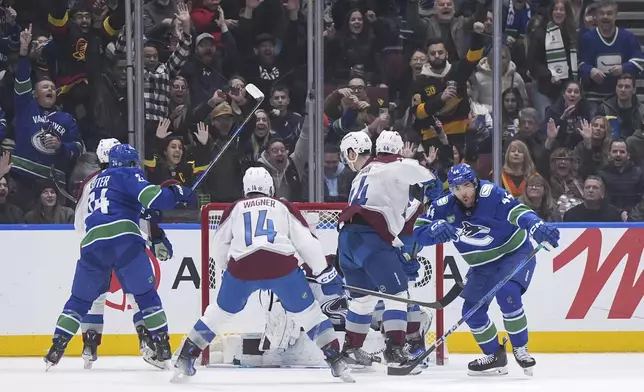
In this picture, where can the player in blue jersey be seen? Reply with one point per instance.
(113, 241)
(491, 230)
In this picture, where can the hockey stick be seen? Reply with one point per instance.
(405, 370)
(440, 304)
(64, 193)
(258, 96)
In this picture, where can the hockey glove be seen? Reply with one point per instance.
(161, 246)
(151, 215)
(433, 189)
(442, 232)
(411, 267)
(544, 232)
(330, 280)
(183, 194)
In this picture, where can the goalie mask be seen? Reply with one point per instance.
(258, 180)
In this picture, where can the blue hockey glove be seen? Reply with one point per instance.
(544, 232)
(331, 281)
(411, 267)
(161, 246)
(442, 232)
(433, 189)
(151, 215)
(183, 194)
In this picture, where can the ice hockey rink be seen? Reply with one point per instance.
(554, 372)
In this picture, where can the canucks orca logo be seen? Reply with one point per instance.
(475, 235)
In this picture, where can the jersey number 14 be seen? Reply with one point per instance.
(263, 227)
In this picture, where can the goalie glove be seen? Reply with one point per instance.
(330, 281)
(161, 246)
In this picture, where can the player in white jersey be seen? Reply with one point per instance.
(368, 245)
(256, 243)
(92, 323)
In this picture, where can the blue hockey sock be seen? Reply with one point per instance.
(516, 324)
(356, 328)
(394, 323)
(92, 321)
(67, 324)
(413, 321)
(137, 319)
(153, 314)
(482, 328)
(201, 335)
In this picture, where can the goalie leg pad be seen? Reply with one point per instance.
(359, 320)
(94, 317)
(394, 319)
(514, 319)
(317, 326)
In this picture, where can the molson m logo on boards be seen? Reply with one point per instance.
(115, 285)
(628, 249)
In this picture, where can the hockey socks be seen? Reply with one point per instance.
(414, 317)
(155, 320)
(323, 335)
(516, 324)
(67, 324)
(487, 337)
(394, 323)
(201, 335)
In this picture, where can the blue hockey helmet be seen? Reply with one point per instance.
(123, 155)
(461, 174)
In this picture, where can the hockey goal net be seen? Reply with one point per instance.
(323, 219)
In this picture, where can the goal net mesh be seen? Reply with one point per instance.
(323, 221)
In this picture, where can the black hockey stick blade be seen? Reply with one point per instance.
(433, 305)
(64, 193)
(405, 370)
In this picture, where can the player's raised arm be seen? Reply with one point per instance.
(149, 195)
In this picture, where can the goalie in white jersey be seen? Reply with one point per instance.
(92, 323)
(256, 243)
(368, 245)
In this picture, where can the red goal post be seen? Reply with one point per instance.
(322, 218)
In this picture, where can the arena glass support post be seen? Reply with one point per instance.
(318, 131)
(310, 98)
(139, 103)
(497, 43)
(129, 72)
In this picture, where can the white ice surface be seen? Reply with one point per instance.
(572, 372)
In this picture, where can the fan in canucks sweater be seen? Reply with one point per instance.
(491, 231)
(113, 241)
(44, 136)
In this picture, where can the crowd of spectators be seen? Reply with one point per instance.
(572, 126)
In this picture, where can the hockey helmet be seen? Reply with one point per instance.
(103, 149)
(124, 155)
(389, 142)
(258, 180)
(461, 174)
(359, 142)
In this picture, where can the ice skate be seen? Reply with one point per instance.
(164, 352)
(415, 347)
(395, 356)
(91, 341)
(147, 348)
(185, 364)
(357, 358)
(338, 365)
(56, 351)
(490, 365)
(524, 359)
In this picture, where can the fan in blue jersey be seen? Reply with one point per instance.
(113, 241)
(491, 230)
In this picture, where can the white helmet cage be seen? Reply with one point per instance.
(359, 142)
(258, 180)
(103, 149)
(389, 142)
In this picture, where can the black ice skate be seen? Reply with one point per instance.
(162, 343)
(395, 356)
(338, 365)
(524, 359)
(147, 347)
(56, 351)
(185, 364)
(490, 365)
(414, 347)
(91, 341)
(358, 358)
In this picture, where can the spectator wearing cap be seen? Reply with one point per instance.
(265, 67)
(207, 68)
(48, 208)
(224, 181)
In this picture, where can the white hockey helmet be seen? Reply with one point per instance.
(359, 142)
(258, 180)
(389, 142)
(103, 149)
